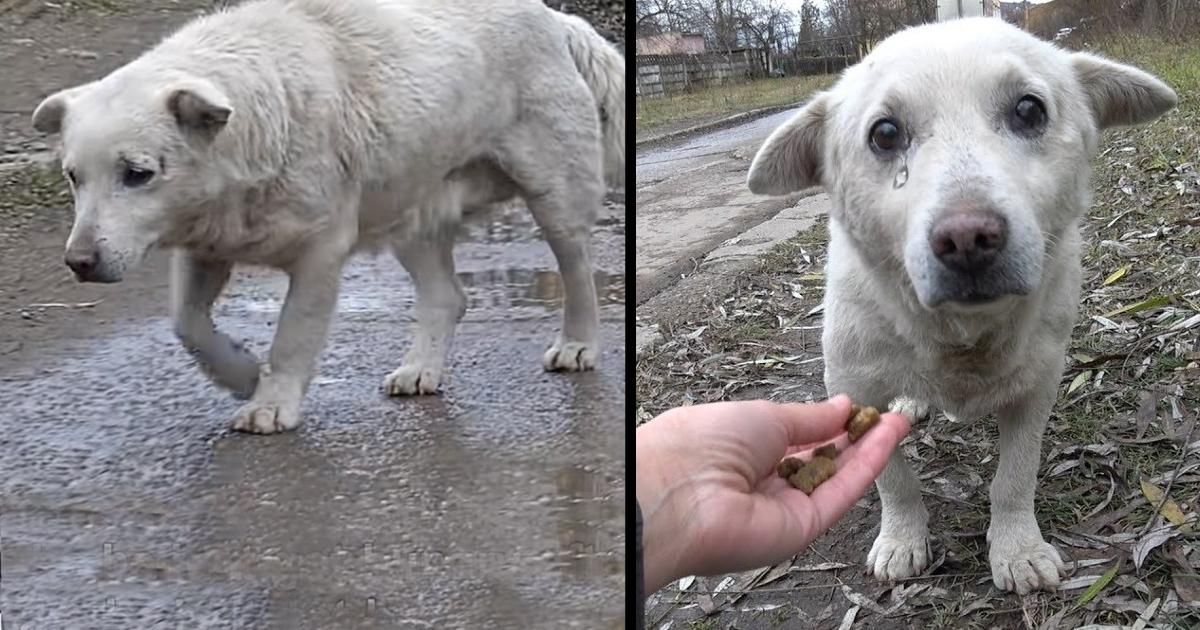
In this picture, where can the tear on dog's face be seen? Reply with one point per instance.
(959, 152)
(134, 152)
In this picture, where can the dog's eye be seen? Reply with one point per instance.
(135, 176)
(1029, 115)
(70, 173)
(886, 136)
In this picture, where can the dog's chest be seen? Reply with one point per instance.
(973, 380)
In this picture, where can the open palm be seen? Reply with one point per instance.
(710, 497)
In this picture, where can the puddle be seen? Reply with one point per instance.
(587, 501)
(490, 289)
(505, 222)
(533, 288)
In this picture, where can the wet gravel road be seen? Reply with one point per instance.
(127, 503)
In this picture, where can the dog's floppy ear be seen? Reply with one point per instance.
(48, 117)
(790, 159)
(198, 106)
(1121, 94)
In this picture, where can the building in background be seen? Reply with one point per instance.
(953, 9)
(670, 44)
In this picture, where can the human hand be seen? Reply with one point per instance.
(711, 501)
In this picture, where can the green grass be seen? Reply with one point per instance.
(677, 111)
(25, 191)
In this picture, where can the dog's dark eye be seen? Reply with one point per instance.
(70, 173)
(1029, 115)
(135, 176)
(886, 136)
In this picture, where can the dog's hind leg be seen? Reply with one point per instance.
(195, 285)
(555, 158)
(441, 303)
(577, 346)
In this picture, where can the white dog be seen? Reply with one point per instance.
(956, 156)
(290, 133)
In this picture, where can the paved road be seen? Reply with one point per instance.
(127, 503)
(692, 196)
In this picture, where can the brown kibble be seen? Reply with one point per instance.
(787, 467)
(813, 474)
(861, 422)
(828, 451)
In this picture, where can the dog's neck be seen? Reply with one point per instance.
(958, 333)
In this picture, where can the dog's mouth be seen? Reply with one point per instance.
(976, 299)
(967, 293)
(983, 295)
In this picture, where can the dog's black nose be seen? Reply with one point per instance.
(83, 263)
(968, 242)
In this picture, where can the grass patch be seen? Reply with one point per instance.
(25, 191)
(32, 198)
(748, 342)
(678, 111)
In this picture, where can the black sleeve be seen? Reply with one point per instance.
(639, 603)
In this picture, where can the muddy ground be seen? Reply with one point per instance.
(126, 501)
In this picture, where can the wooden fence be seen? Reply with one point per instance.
(659, 75)
(808, 66)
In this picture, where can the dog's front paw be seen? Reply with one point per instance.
(414, 379)
(1023, 562)
(915, 409)
(230, 365)
(570, 356)
(266, 417)
(900, 552)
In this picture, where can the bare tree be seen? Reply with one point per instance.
(810, 22)
(766, 22)
(658, 16)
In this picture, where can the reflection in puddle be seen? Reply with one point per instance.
(588, 501)
(506, 222)
(533, 287)
(498, 288)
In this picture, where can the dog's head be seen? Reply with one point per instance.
(959, 151)
(134, 152)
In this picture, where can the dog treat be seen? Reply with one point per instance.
(813, 474)
(861, 421)
(787, 467)
(829, 451)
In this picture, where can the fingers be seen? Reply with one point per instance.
(857, 469)
(806, 423)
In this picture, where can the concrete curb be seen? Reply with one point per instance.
(716, 124)
(646, 337)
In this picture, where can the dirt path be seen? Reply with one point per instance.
(125, 502)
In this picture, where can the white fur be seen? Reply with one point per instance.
(291, 133)
(890, 333)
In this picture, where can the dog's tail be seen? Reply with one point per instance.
(603, 68)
